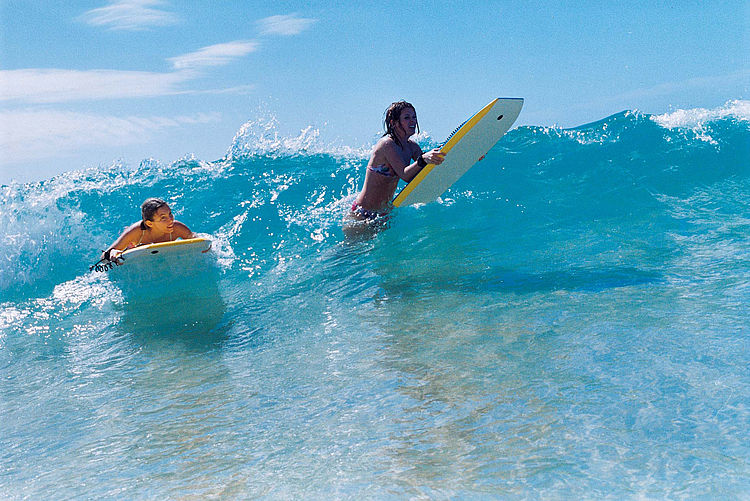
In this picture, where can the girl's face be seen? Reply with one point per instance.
(163, 220)
(407, 122)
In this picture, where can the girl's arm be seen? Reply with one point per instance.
(129, 236)
(407, 172)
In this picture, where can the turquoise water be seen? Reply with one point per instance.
(569, 321)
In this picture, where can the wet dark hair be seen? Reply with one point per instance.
(393, 114)
(149, 208)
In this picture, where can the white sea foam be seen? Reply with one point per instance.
(698, 120)
(697, 117)
(261, 136)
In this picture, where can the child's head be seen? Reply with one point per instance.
(149, 208)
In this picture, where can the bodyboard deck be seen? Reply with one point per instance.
(464, 148)
(164, 263)
(152, 253)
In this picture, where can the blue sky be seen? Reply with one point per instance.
(87, 83)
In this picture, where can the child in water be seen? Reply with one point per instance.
(157, 225)
(394, 157)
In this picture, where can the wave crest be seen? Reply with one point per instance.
(698, 117)
(261, 137)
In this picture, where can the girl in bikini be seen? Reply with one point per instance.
(394, 157)
(157, 225)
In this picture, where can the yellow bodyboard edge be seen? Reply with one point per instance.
(168, 244)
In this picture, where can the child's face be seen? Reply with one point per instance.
(163, 220)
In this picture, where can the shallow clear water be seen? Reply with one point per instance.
(569, 321)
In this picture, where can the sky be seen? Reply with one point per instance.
(91, 83)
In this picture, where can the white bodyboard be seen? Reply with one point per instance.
(464, 148)
(164, 261)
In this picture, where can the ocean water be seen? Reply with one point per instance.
(569, 321)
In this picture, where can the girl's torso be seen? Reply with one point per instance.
(144, 237)
(381, 179)
(147, 238)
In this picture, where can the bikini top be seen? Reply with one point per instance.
(382, 169)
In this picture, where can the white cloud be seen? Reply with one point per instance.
(290, 24)
(130, 15)
(54, 85)
(214, 55)
(36, 134)
(47, 85)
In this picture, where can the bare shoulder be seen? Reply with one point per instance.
(182, 231)
(384, 151)
(385, 143)
(131, 231)
(129, 235)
